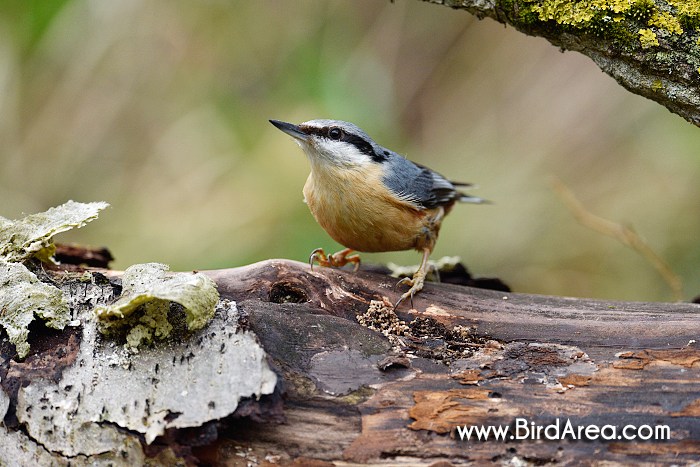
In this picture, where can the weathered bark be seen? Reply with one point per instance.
(649, 46)
(464, 356)
(541, 358)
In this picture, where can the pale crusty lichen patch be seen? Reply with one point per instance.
(32, 236)
(99, 405)
(148, 290)
(444, 264)
(22, 296)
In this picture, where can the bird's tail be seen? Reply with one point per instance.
(463, 198)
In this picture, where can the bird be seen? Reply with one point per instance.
(371, 199)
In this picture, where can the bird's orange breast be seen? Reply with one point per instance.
(357, 211)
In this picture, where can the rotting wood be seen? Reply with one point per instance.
(547, 358)
(353, 395)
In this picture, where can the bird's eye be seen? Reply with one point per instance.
(335, 133)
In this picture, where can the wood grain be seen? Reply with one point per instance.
(591, 362)
(395, 394)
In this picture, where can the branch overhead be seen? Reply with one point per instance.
(651, 47)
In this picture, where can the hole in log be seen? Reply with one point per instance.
(285, 292)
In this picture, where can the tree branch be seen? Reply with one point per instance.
(651, 47)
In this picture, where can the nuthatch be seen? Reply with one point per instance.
(369, 198)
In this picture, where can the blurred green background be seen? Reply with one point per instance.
(160, 108)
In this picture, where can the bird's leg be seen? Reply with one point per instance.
(337, 260)
(343, 257)
(318, 256)
(417, 281)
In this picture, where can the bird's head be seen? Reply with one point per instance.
(334, 143)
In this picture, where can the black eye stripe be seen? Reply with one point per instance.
(315, 131)
(363, 146)
(359, 142)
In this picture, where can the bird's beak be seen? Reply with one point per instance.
(292, 130)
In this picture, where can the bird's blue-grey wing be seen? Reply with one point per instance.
(417, 184)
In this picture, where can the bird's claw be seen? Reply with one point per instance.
(318, 255)
(416, 284)
(336, 260)
(405, 281)
(403, 297)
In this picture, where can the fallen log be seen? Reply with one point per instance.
(358, 383)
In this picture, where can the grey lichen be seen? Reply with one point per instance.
(444, 264)
(19, 449)
(32, 236)
(148, 291)
(22, 297)
(113, 393)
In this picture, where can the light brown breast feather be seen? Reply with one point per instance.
(357, 212)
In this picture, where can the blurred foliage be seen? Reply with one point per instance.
(160, 108)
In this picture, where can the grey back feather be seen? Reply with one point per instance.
(420, 185)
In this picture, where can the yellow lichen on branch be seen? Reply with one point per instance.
(648, 38)
(600, 15)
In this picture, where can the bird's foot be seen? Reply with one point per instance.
(336, 260)
(416, 284)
